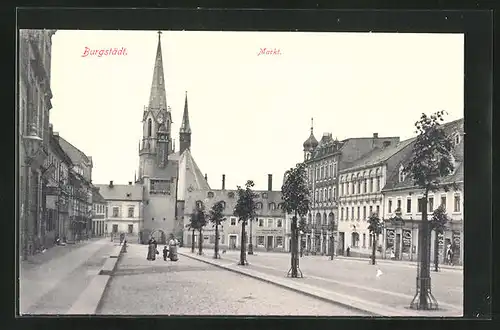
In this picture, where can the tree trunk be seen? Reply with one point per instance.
(200, 242)
(216, 247)
(374, 245)
(424, 278)
(436, 252)
(242, 245)
(295, 252)
(192, 242)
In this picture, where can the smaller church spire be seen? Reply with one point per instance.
(312, 125)
(185, 127)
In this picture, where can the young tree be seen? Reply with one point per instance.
(201, 222)
(245, 210)
(437, 223)
(431, 161)
(375, 228)
(216, 217)
(193, 225)
(295, 195)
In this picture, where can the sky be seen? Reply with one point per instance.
(249, 113)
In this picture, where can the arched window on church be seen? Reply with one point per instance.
(150, 124)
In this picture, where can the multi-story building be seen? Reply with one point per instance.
(323, 161)
(268, 229)
(98, 213)
(401, 197)
(58, 192)
(124, 208)
(360, 194)
(34, 106)
(80, 182)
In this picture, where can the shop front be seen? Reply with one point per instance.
(270, 239)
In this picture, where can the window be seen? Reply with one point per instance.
(371, 185)
(341, 213)
(264, 195)
(233, 221)
(430, 204)
(402, 175)
(322, 172)
(131, 212)
(371, 211)
(359, 209)
(152, 219)
(352, 213)
(259, 206)
(408, 205)
(378, 183)
(365, 186)
(210, 194)
(329, 194)
(456, 203)
(334, 194)
(355, 239)
(272, 206)
(419, 204)
(347, 213)
(279, 241)
(261, 222)
(260, 240)
(279, 223)
(270, 223)
(364, 212)
(149, 127)
(115, 211)
(443, 201)
(378, 210)
(399, 204)
(316, 195)
(164, 219)
(364, 240)
(390, 206)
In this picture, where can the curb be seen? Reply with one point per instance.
(90, 299)
(301, 291)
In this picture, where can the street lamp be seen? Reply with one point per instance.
(31, 145)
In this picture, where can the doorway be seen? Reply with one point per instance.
(130, 229)
(340, 248)
(232, 241)
(269, 242)
(115, 229)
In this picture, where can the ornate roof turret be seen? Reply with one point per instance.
(311, 142)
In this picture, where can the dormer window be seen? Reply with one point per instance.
(272, 206)
(264, 195)
(456, 139)
(402, 175)
(210, 194)
(259, 205)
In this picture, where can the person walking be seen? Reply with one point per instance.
(172, 247)
(152, 249)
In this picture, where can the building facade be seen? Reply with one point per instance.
(123, 208)
(268, 230)
(403, 198)
(324, 160)
(58, 192)
(34, 104)
(98, 213)
(80, 182)
(360, 194)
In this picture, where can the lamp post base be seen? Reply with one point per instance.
(430, 303)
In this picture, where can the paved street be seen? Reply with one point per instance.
(189, 287)
(394, 288)
(51, 282)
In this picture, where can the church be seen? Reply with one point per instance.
(165, 175)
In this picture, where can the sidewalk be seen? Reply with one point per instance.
(44, 271)
(317, 287)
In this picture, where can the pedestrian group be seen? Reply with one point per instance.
(169, 250)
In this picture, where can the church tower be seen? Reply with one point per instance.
(156, 144)
(310, 144)
(185, 130)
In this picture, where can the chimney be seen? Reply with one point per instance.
(130, 183)
(375, 135)
(269, 182)
(223, 181)
(111, 184)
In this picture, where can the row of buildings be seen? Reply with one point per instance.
(55, 189)
(348, 180)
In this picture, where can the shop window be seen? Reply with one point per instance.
(260, 240)
(279, 241)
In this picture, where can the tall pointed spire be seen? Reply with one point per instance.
(157, 96)
(185, 128)
(312, 125)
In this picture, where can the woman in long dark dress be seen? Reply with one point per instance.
(151, 249)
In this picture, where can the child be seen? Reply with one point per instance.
(165, 252)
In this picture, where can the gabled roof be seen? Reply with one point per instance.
(97, 197)
(57, 149)
(193, 177)
(392, 181)
(378, 155)
(119, 192)
(75, 154)
(354, 148)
